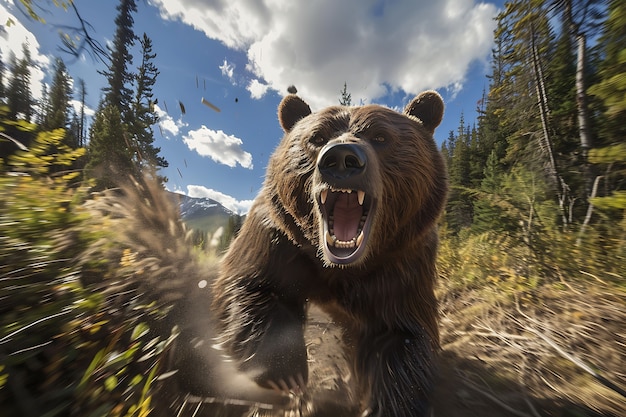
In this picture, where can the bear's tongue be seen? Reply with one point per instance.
(347, 214)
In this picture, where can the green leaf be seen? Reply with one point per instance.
(608, 154)
(97, 359)
(110, 383)
(140, 330)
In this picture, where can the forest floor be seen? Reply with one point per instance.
(502, 355)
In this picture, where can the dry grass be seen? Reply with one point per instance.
(558, 350)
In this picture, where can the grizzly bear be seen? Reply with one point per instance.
(346, 219)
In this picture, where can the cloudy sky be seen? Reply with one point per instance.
(241, 55)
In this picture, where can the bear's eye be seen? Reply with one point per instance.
(379, 139)
(318, 140)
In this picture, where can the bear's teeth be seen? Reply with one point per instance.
(323, 196)
(347, 244)
(361, 195)
(330, 239)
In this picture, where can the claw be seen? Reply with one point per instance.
(294, 385)
(274, 386)
(302, 383)
(284, 385)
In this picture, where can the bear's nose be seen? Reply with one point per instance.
(341, 161)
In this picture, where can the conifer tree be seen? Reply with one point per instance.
(488, 207)
(59, 97)
(19, 96)
(118, 92)
(346, 98)
(80, 130)
(73, 132)
(459, 206)
(146, 155)
(109, 156)
(111, 147)
(44, 105)
(610, 91)
(611, 86)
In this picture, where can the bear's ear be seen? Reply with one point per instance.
(291, 109)
(428, 107)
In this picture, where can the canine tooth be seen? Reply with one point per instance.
(359, 239)
(323, 196)
(330, 239)
(361, 195)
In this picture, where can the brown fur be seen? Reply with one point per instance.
(381, 293)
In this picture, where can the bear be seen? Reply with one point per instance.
(346, 220)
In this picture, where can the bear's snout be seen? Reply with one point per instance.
(342, 164)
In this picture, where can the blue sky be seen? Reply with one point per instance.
(241, 55)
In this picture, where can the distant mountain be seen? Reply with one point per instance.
(203, 213)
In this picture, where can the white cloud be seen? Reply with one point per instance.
(12, 38)
(231, 203)
(169, 126)
(228, 70)
(375, 46)
(220, 147)
(76, 104)
(257, 89)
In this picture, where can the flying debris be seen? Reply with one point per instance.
(196, 81)
(210, 105)
(185, 160)
(179, 173)
(160, 130)
(236, 100)
(165, 105)
(182, 107)
(292, 89)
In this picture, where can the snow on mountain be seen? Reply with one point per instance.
(191, 207)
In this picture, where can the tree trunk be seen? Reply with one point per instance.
(546, 145)
(583, 112)
(583, 227)
(581, 95)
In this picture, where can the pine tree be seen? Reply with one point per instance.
(346, 98)
(146, 155)
(610, 91)
(109, 156)
(489, 213)
(459, 206)
(82, 94)
(570, 157)
(59, 98)
(73, 131)
(494, 128)
(44, 105)
(611, 86)
(118, 92)
(111, 147)
(19, 96)
(528, 41)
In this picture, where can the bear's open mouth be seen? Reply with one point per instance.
(346, 215)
